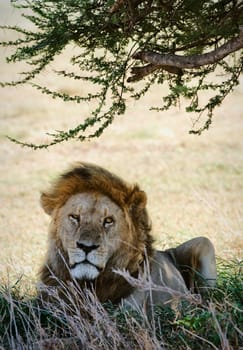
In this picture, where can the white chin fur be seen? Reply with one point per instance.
(84, 271)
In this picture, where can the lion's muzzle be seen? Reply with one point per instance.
(85, 261)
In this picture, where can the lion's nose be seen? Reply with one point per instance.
(86, 247)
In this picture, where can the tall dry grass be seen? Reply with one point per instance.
(81, 322)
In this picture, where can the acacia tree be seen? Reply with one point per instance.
(174, 42)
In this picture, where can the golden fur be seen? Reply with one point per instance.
(100, 224)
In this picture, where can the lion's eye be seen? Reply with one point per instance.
(74, 218)
(108, 221)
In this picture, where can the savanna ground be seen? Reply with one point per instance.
(194, 183)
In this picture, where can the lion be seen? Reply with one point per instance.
(100, 225)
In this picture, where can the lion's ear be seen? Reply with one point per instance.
(47, 203)
(137, 199)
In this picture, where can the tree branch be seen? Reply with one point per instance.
(175, 63)
(116, 6)
(138, 73)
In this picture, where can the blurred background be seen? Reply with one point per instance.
(194, 184)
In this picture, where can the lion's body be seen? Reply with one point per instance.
(100, 224)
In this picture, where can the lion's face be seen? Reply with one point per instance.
(91, 229)
(99, 224)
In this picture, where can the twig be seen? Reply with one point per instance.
(147, 285)
(198, 337)
(116, 6)
(139, 73)
(224, 341)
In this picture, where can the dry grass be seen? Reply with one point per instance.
(194, 184)
(81, 322)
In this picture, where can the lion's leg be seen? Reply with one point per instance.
(195, 259)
